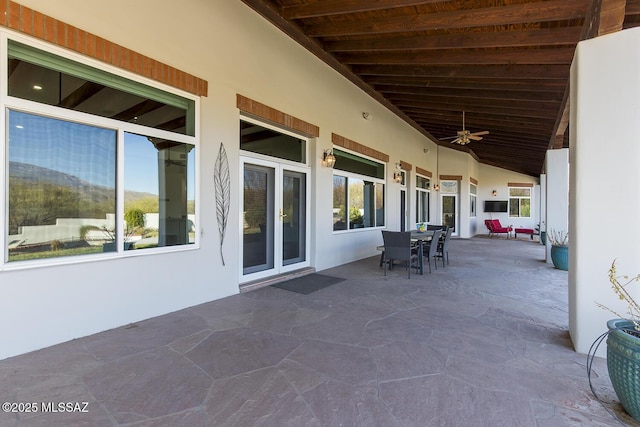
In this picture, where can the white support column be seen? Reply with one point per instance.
(605, 179)
(543, 205)
(557, 204)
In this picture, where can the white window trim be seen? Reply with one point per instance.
(267, 125)
(520, 198)
(475, 196)
(424, 190)
(31, 107)
(348, 175)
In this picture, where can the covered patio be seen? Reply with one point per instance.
(482, 342)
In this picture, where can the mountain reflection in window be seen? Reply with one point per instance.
(62, 182)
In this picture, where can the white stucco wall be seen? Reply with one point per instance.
(493, 178)
(557, 197)
(605, 178)
(237, 52)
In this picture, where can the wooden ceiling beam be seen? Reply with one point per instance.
(541, 37)
(632, 7)
(337, 7)
(509, 123)
(605, 16)
(486, 148)
(523, 169)
(466, 93)
(480, 60)
(521, 165)
(428, 100)
(612, 15)
(515, 155)
(524, 56)
(485, 84)
(543, 114)
(484, 151)
(544, 11)
(510, 72)
(524, 139)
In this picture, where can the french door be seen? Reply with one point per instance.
(450, 211)
(276, 217)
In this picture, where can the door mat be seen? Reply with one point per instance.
(309, 283)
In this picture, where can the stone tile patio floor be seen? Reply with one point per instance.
(482, 342)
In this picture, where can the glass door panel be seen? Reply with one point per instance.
(258, 211)
(403, 210)
(449, 219)
(294, 217)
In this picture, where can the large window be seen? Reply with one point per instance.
(423, 194)
(520, 202)
(358, 192)
(95, 162)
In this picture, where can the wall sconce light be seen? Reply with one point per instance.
(329, 160)
(397, 175)
(436, 187)
(367, 116)
(494, 193)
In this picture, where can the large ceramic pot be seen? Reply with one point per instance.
(560, 257)
(623, 363)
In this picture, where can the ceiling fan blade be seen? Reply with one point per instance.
(448, 137)
(457, 141)
(482, 132)
(475, 137)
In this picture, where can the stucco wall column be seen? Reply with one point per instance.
(605, 178)
(557, 204)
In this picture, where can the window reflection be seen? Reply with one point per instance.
(71, 85)
(339, 203)
(62, 185)
(62, 190)
(357, 203)
(159, 202)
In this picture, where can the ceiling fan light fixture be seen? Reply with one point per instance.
(464, 136)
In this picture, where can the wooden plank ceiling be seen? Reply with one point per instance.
(505, 63)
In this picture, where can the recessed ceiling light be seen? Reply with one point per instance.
(37, 87)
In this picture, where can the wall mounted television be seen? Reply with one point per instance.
(495, 206)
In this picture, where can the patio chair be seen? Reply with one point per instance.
(398, 247)
(432, 249)
(495, 227)
(443, 246)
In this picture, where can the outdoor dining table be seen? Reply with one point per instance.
(421, 237)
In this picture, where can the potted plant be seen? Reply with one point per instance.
(543, 234)
(559, 241)
(623, 345)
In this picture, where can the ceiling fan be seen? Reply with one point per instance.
(464, 136)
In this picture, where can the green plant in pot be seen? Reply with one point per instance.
(623, 344)
(559, 241)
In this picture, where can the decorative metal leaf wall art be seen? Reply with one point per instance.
(222, 182)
